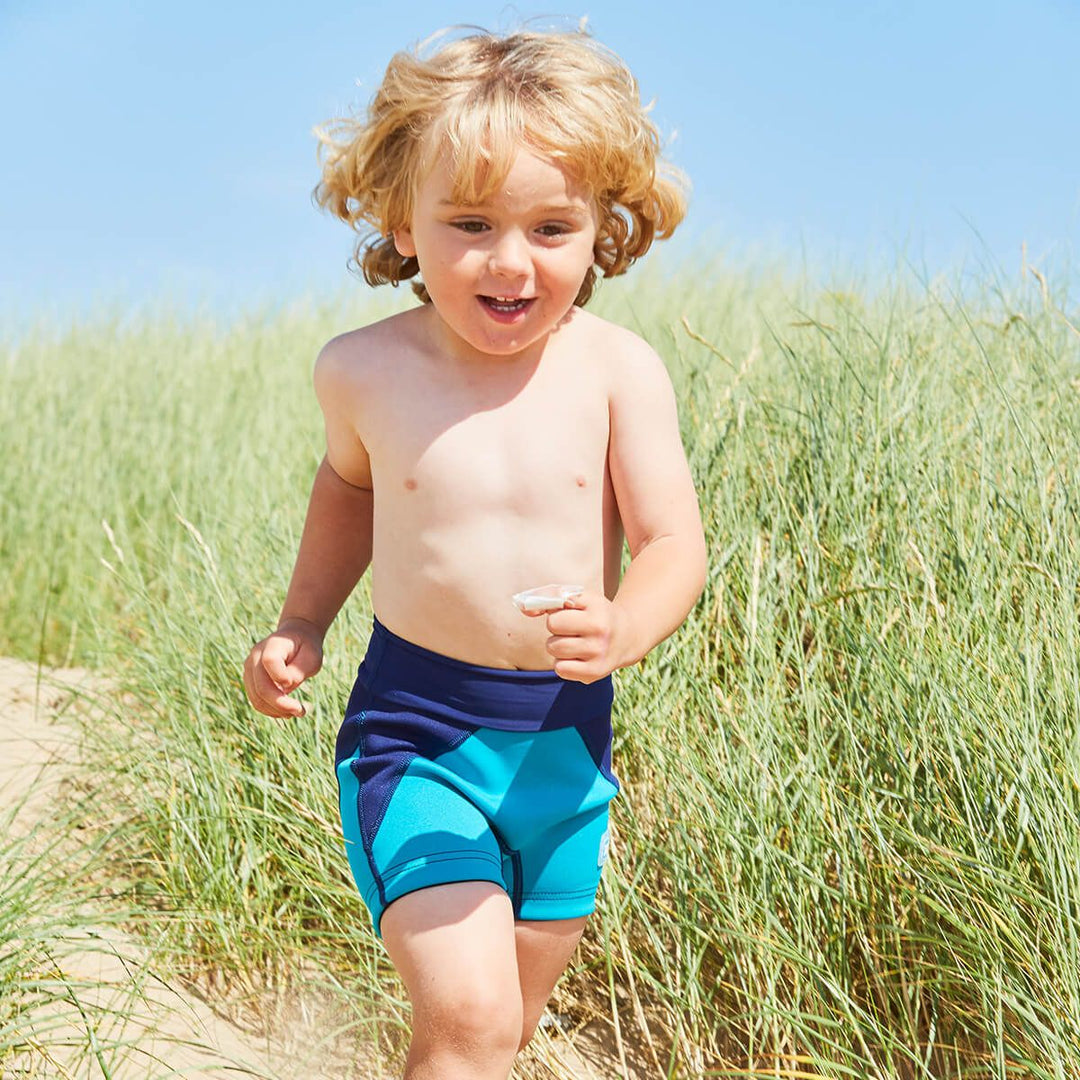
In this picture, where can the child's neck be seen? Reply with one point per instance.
(450, 346)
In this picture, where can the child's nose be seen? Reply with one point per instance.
(509, 255)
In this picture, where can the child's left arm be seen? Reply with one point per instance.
(592, 636)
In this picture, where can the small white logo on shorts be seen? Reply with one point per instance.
(602, 857)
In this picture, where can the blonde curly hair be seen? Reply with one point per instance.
(479, 99)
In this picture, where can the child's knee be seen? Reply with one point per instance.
(475, 1021)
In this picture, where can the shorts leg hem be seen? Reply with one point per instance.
(551, 908)
(423, 875)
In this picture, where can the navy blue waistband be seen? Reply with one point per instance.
(408, 675)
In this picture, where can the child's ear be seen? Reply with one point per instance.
(403, 241)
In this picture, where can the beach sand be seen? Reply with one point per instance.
(146, 1025)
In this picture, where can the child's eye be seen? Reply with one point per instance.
(553, 228)
(470, 226)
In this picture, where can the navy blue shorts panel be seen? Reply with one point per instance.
(449, 771)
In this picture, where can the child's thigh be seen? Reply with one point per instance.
(454, 947)
(543, 951)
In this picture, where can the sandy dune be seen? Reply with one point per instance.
(144, 1026)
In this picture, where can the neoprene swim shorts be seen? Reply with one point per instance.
(452, 772)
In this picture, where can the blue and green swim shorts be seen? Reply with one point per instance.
(452, 772)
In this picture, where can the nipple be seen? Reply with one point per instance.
(581, 481)
(410, 484)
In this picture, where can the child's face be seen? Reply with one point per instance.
(502, 275)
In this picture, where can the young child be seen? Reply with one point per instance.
(493, 439)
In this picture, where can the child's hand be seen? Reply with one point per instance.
(278, 664)
(588, 637)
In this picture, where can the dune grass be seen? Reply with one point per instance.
(848, 841)
(63, 1006)
(35, 996)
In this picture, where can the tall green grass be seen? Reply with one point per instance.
(66, 992)
(848, 842)
(36, 997)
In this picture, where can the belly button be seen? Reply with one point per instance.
(410, 483)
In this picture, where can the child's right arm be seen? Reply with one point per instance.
(335, 550)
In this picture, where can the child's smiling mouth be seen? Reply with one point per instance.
(507, 308)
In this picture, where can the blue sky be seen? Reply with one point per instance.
(165, 150)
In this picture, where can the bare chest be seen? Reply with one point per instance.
(524, 449)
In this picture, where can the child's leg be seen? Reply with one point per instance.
(454, 948)
(543, 951)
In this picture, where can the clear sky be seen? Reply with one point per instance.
(157, 149)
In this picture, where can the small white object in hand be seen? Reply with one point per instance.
(545, 598)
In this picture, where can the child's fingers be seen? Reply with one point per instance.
(569, 647)
(274, 668)
(279, 705)
(266, 696)
(576, 671)
(567, 621)
(288, 706)
(276, 654)
(306, 662)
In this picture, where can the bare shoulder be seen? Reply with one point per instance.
(352, 375)
(632, 366)
(354, 360)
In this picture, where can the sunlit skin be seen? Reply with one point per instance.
(531, 243)
(510, 440)
(491, 441)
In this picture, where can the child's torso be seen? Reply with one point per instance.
(489, 480)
